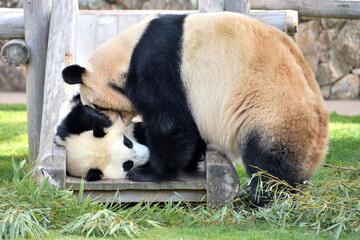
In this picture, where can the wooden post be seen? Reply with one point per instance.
(240, 6)
(221, 179)
(36, 25)
(61, 49)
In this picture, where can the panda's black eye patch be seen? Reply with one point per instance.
(127, 166)
(127, 142)
(98, 108)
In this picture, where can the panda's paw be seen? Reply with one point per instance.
(143, 175)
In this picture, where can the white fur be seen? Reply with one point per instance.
(108, 153)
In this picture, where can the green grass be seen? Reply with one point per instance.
(344, 141)
(329, 208)
(13, 138)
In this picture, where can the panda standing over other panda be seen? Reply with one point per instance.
(220, 78)
(97, 148)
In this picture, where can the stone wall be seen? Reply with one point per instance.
(331, 47)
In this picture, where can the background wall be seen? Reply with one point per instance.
(331, 47)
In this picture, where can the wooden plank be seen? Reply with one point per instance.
(61, 48)
(99, 25)
(36, 25)
(12, 23)
(313, 8)
(191, 181)
(92, 31)
(149, 195)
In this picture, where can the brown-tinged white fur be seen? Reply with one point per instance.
(276, 94)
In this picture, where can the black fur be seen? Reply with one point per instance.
(127, 142)
(94, 174)
(155, 88)
(73, 74)
(127, 166)
(140, 133)
(274, 161)
(83, 118)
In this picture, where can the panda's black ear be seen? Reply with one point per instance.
(73, 74)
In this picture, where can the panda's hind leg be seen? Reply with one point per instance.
(265, 161)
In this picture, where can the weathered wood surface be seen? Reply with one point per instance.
(285, 20)
(15, 52)
(12, 23)
(37, 15)
(190, 181)
(131, 17)
(313, 8)
(150, 195)
(52, 166)
(188, 187)
(222, 179)
(240, 6)
(61, 48)
(99, 26)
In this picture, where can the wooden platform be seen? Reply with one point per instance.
(189, 187)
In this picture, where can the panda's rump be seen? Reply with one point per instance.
(240, 74)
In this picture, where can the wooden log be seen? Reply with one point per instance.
(61, 48)
(15, 52)
(12, 23)
(222, 179)
(313, 8)
(36, 25)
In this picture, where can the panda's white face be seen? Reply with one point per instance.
(114, 154)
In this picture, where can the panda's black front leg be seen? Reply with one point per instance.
(169, 153)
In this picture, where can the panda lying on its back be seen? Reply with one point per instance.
(95, 147)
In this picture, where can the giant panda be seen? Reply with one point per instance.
(96, 147)
(222, 78)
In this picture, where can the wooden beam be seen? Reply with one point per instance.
(36, 26)
(15, 52)
(313, 8)
(12, 23)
